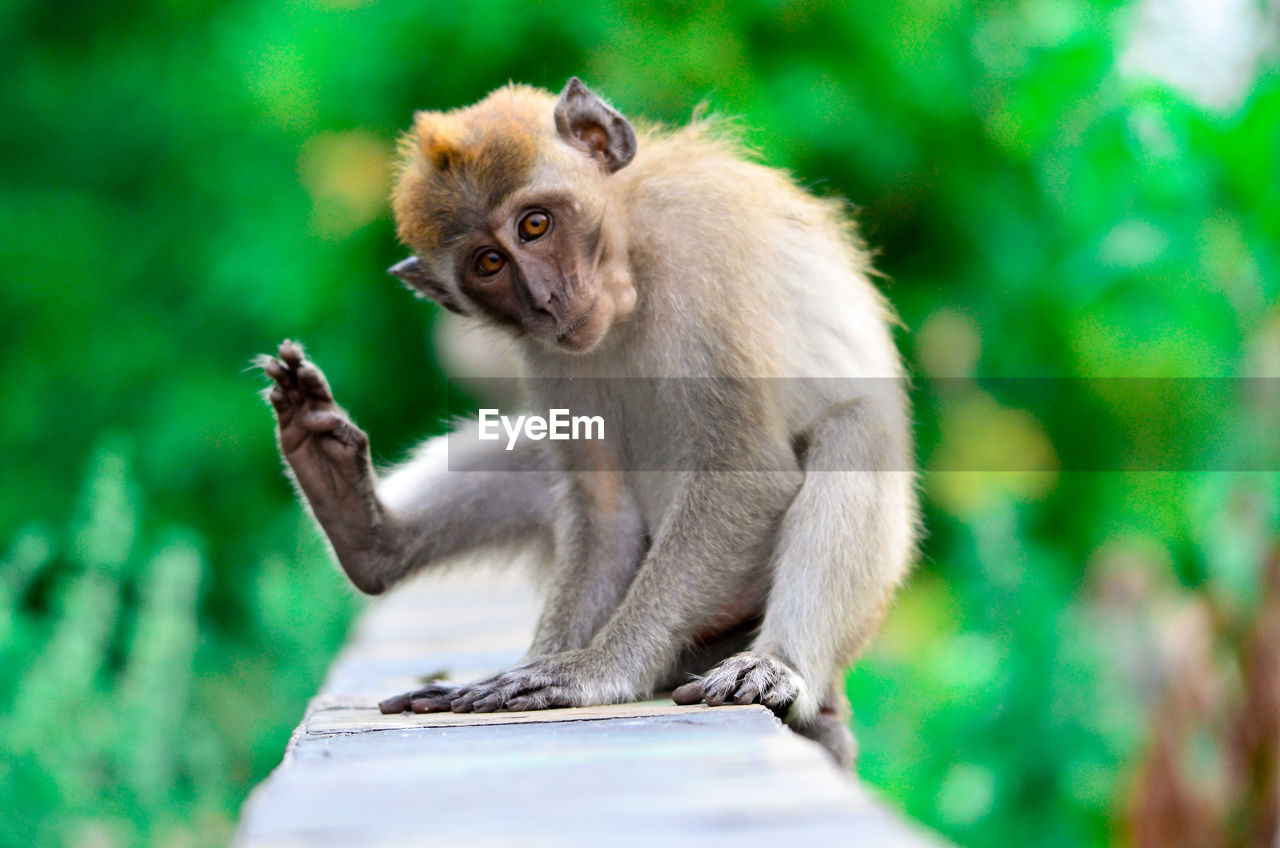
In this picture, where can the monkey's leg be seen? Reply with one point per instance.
(844, 546)
(429, 508)
(699, 563)
(599, 544)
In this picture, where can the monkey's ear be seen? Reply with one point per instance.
(584, 120)
(413, 273)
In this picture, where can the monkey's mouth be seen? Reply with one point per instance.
(572, 328)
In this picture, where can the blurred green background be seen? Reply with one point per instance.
(1055, 187)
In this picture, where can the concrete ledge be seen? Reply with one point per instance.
(614, 775)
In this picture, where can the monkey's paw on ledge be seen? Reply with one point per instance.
(639, 773)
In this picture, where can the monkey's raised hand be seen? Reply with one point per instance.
(328, 454)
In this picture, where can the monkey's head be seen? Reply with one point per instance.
(507, 207)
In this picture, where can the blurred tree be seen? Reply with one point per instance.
(184, 184)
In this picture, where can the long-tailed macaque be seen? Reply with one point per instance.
(761, 558)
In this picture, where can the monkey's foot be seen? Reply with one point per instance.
(749, 678)
(329, 454)
(569, 679)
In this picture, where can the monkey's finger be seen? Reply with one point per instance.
(313, 383)
(431, 698)
(718, 691)
(549, 698)
(689, 693)
(780, 697)
(285, 377)
(395, 704)
(461, 700)
(291, 352)
(275, 369)
(262, 361)
(279, 402)
(438, 704)
(284, 410)
(748, 693)
(468, 702)
(490, 693)
(520, 703)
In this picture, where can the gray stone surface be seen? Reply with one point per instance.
(626, 774)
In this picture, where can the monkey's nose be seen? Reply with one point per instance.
(547, 303)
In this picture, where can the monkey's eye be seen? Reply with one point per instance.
(534, 225)
(489, 262)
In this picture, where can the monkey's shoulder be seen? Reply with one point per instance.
(695, 187)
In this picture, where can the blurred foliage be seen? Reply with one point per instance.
(183, 183)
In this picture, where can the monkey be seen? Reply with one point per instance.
(747, 548)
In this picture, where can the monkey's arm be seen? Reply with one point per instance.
(600, 542)
(425, 510)
(844, 545)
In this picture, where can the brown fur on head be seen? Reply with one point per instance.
(469, 179)
(455, 166)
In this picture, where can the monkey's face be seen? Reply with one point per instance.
(537, 268)
(506, 205)
(539, 265)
